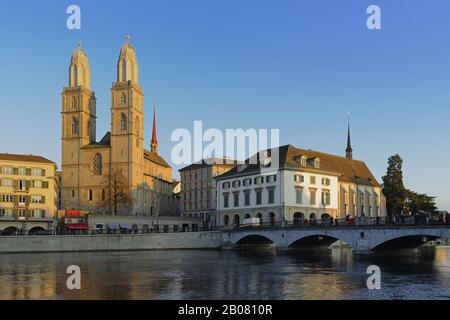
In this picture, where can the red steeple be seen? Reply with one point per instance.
(154, 143)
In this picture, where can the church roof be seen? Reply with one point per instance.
(105, 142)
(353, 171)
(156, 158)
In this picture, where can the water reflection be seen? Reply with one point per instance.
(336, 275)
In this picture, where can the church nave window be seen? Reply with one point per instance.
(98, 166)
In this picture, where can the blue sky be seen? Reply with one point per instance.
(299, 66)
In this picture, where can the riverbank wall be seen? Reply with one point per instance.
(111, 242)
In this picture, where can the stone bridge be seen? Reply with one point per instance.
(360, 239)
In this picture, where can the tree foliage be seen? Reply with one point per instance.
(393, 187)
(398, 198)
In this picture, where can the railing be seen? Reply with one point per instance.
(361, 222)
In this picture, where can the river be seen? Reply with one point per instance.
(196, 274)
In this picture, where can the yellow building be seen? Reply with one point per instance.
(28, 194)
(89, 166)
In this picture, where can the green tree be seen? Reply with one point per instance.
(420, 203)
(393, 187)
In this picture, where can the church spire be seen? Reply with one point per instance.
(79, 71)
(349, 150)
(154, 143)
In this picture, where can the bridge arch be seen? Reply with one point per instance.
(9, 231)
(36, 230)
(408, 240)
(254, 241)
(314, 240)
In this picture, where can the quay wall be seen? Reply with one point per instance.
(111, 242)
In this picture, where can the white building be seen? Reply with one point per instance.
(308, 185)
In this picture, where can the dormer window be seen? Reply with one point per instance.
(301, 160)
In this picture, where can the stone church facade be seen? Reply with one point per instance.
(87, 164)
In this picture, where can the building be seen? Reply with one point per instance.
(198, 188)
(176, 197)
(28, 194)
(308, 185)
(91, 170)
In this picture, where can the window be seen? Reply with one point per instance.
(326, 181)
(22, 171)
(73, 193)
(90, 195)
(236, 199)
(7, 198)
(271, 195)
(299, 178)
(312, 197)
(21, 213)
(271, 179)
(123, 98)
(298, 195)
(312, 180)
(98, 166)
(226, 220)
(247, 182)
(22, 185)
(36, 172)
(22, 200)
(7, 170)
(326, 198)
(259, 180)
(236, 184)
(123, 122)
(103, 195)
(37, 199)
(75, 126)
(226, 185)
(37, 184)
(2, 212)
(7, 182)
(226, 200)
(258, 196)
(247, 198)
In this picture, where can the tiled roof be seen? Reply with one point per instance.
(156, 158)
(354, 171)
(104, 143)
(24, 158)
(207, 162)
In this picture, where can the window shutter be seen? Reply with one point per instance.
(28, 171)
(43, 172)
(45, 184)
(16, 171)
(43, 199)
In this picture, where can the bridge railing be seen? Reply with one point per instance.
(369, 222)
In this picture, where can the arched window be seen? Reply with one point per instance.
(272, 218)
(237, 220)
(123, 122)
(299, 217)
(97, 165)
(259, 216)
(75, 126)
(226, 220)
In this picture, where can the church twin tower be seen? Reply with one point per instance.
(86, 162)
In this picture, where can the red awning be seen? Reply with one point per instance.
(77, 226)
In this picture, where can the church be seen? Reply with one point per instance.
(89, 167)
